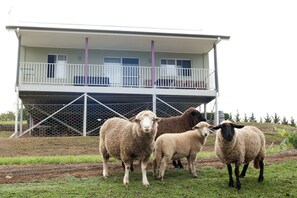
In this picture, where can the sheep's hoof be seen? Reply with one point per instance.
(231, 185)
(146, 184)
(194, 176)
(242, 175)
(260, 179)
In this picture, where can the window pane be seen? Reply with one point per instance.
(170, 62)
(163, 62)
(112, 60)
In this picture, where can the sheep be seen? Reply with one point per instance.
(179, 124)
(171, 146)
(240, 144)
(128, 141)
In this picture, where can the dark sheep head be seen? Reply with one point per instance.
(227, 129)
(194, 115)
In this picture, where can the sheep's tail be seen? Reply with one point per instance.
(256, 163)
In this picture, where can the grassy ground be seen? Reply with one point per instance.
(280, 181)
(280, 178)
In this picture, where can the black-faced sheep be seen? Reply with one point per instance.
(171, 146)
(240, 145)
(128, 141)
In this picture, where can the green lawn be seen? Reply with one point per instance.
(280, 181)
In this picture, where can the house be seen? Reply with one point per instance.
(71, 78)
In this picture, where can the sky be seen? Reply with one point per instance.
(257, 66)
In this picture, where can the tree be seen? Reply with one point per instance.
(8, 116)
(237, 117)
(231, 118)
(267, 119)
(245, 118)
(285, 121)
(276, 119)
(252, 118)
(292, 122)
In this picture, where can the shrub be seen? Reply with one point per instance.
(290, 138)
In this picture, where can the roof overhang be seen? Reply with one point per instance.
(111, 38)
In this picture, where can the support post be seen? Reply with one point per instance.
(85, 115)
(86, 69)
(21, 119)
(216, 114)
(17, 85)
(205, 112)
(153, 77)
(16, 132)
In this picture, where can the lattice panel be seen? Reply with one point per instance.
(62, 120)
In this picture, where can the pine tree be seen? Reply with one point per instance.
(245, 118)
(252, 118)
(292, 122)
(276, 119)
(237, 117)
(267, 119)
(285, 121)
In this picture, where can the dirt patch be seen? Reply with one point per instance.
(37, 173)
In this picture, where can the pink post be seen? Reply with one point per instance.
(86, 69)
(153, 62)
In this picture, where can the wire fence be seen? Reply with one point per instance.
(58, 120)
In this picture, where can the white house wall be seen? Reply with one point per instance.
(77, 56)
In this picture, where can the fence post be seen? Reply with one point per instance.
(85, 115)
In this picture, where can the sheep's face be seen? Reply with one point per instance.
(147, 121)
(227, 130)
(203, 128)
(197, 116)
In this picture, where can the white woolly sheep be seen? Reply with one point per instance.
(172, 146)
(128, 141)
(179, 124)
(240, 145)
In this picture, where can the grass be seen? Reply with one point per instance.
(280, 181)
(69, 159)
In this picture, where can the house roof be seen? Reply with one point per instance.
(115, 37)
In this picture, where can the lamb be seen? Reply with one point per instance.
(179, 145)
(179, 124)
(129, 141)
(240, 145)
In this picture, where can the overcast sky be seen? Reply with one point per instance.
(257, 66)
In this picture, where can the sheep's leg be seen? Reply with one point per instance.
(155, 168)
(261, 177)
(231, 183)
(242, 174)
(126, 176)
(165, 160)
(105, 168)
(191, 164)
(144, 177)
(179, 164)
(238, 184)
(174, 164)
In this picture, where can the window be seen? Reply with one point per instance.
(122, 71)
(56, 67)
(175, 67)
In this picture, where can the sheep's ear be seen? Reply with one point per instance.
(238, 126)
(135, 120)
(195, 127)
(217, 127)
(157, 119)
